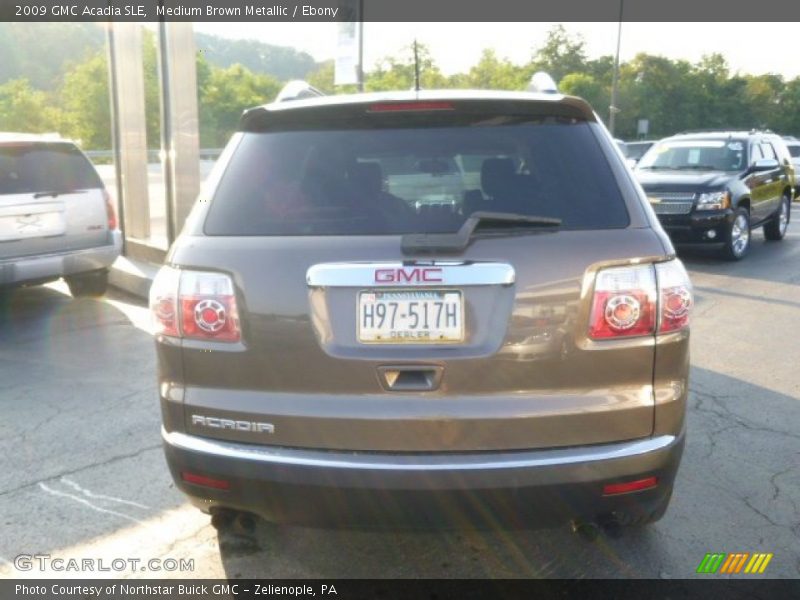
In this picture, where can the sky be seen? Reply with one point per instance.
(754, 48)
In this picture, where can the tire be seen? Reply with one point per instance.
(776, 228)
(88, 284)
(737, 237)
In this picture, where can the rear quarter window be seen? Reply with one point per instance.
(31, 168)
(414, 180)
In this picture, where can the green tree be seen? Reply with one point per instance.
(788, 121)
(205, 114)
(25, 109)
(588, 88)
(560, 54)
(323, 76)
(657, 89)
(398, 73)
(40, 52)
(764, 93)
(494, 73)
(152, 89)
(84, 96)
(227, 93)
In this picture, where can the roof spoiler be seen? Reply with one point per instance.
(298, 90)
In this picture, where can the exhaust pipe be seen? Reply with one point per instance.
(222, 518)
(585, 529)
(245, 523)
(229, 519)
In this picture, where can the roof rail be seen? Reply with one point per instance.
(726, 130)
(298, 90)
(542, 83)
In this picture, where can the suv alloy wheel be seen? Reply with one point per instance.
(776, 228)
(737, 241)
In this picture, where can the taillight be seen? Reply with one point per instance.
(640, 300)
(194, 304)
(624, 302)
(208, 307)
(675, 296)
(110, 213)
(164, 301)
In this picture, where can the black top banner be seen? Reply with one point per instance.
(399, 10)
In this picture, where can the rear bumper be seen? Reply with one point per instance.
(52, 266)
(536, 488)
(694, 228)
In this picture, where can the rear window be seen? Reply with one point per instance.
(30, 168)
(414, 180)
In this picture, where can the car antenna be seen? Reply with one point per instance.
(416, 66)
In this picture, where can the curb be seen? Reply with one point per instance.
(132, 276)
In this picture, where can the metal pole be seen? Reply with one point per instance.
(613, 110)
(115, 150)
(360, 45)
(166, 131)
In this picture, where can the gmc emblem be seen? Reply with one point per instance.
(410, 275)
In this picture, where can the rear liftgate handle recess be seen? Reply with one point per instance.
(410, 378)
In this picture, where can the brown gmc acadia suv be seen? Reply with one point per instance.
(424, 309)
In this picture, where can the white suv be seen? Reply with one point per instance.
(56, 218)
(793, 144)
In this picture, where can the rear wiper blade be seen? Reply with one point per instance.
(484, 219)
(458, 241)
(56, 193)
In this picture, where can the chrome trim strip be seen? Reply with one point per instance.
(452, 274)
(400, 462)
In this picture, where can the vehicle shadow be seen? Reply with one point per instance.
(736, 491)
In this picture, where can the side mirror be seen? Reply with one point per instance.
(631, 162)
(765, 164)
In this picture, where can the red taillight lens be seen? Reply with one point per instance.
(210, 318)
(219, 484)
(675, 296)
(409, 106)
(194, 304)
(164, 301)
(112, 215)
(208, 307)
(630, 486)
(624, 303)
(640, 300)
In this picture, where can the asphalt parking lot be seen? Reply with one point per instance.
(83, 474)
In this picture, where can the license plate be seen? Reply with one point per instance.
(410, 317)
(37, 224)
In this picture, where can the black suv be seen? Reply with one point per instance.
(714, 187)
